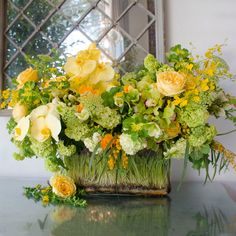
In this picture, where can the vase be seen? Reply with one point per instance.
(147, 174)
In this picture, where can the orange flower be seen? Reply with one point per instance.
(107, 140)
(126, 88)
(79, 107)
(85, 89)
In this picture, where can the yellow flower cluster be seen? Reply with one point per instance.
(115, 152)
(230, 156)
(86, 69)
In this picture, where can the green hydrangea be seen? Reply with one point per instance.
(151, 63)
(176, 150)
(66, 150)
(207, 98)
(193, 116)
(18, 156)
(75, 128)
(43, 149)
(104, 116)
(51, 165)
(201, 134)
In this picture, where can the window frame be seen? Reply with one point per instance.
(159, 34)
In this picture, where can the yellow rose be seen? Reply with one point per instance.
(27, 75)
(170, 83)
(19, 111)
(63, 186)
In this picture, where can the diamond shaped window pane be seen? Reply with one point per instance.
(135, 25)
(150, 5)
(56, 28)
(133, 58)
(20, 3)
(10, 50)
(17, 66)
(20, 31)
(11, 13)
(148, 40)
(74, 9)
(38, 45)
(115, 43)
(95, 24)
(74, 42)
(43, 8)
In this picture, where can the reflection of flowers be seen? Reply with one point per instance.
(99, 214)
(61, 214)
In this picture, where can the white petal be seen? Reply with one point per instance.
(54, 124)
(39, 111)
(37, 126)
(52, 109)
(23, 126)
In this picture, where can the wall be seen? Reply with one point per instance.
(202, 22)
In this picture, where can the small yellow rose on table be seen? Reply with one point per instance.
(63, 186)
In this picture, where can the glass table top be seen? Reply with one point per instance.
(195, 210)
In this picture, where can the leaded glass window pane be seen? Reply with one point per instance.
(124, 30)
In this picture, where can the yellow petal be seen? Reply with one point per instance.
(72, 67)
(103, 73)
(22, 128)
(87, 68)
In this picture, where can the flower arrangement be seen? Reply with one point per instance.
(92, 125)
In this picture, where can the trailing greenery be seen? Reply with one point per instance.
(46, 196)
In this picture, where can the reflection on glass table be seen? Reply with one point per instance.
(195, 210)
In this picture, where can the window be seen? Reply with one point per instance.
(125, 30)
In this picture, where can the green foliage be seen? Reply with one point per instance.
(178, 55)
(108, 97)
(24, 148)
(11, 124)
(47, 66)
(151, 63)
(66, 150)
(46, 196)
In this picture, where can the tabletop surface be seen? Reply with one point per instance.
(194, 210)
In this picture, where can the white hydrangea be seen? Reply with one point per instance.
(153, 130)
(92, 142)
(177, 150)
(130, 146)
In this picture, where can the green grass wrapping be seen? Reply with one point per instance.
(147, 170)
